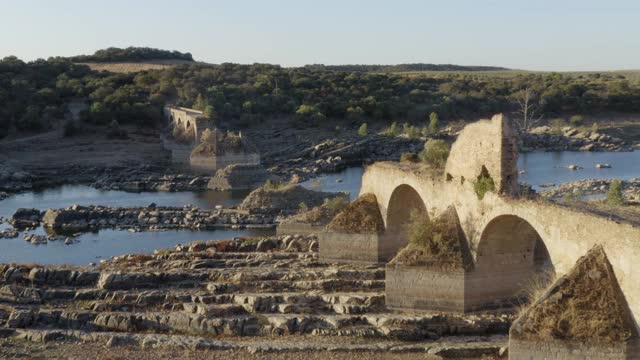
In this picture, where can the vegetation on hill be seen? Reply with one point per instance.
(405, 67)
(133, 54)
(34, 94)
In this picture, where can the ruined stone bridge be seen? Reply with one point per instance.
(511, 238)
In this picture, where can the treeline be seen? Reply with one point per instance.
(132, 54)
(405, 68)
(250, 93)
(33, 95)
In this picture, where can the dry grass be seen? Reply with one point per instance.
(361, 216)
(438, 244)
(586, 305)
(131, 67)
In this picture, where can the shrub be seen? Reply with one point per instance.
(576, 120)
(303, 207)
(409, 157)
(435, 153)
(336, 204)
(412, 132)
(614, 194)
(392, 131)
(420, 229)
(207, 136)
(363, 130)
(572, 196)
(434, 123)
(557, 125)
(272, 185)
(483, 184)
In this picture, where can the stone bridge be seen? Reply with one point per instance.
(512, 238)
(189, 121)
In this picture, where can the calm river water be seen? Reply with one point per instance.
(540, 168)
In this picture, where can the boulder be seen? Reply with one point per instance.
(26, 218)
(239, 177)
(286, 199)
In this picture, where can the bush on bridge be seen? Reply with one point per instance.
(435, 153)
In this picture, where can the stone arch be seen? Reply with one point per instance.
(403, 201)
(513, 255)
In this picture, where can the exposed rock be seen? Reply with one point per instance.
(631, 188)
(286, 199)
(78, 218)
(24, 218)
(239, 177)
(545, 138)
(603, 166)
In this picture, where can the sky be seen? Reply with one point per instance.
(560, 35)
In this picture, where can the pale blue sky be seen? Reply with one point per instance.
(533, 34)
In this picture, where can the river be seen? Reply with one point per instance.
(540, 168)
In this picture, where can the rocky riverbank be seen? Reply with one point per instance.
(91, 218)
(631, 188)
(546, 139)
(300, 162)
(257, 295)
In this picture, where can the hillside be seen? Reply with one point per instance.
(404, 67)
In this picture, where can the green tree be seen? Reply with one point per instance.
(614, 194)
(434, 123)
(200, 103)
(210, 112)
(363, 130)
(435, 153)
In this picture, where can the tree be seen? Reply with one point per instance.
(210, 112)
(435, 153)
(363, 130)
(614, 194)
(529, 108)
(200, 103)
(434, 123)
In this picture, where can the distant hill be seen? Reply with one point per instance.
(131, 54)
(405, 67)
(130, 67)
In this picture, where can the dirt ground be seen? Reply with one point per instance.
(51, 150)
(12, 349)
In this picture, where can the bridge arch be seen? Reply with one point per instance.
(514, 256)
(404, 201)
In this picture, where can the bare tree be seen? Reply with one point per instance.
(530, 108)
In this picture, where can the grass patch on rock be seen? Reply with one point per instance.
(359, 217)
(439, 244)
(586, 306)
